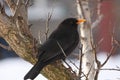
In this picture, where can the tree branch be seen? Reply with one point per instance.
(15, 30)
(86, 40)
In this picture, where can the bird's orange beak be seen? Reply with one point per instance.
(80, 20)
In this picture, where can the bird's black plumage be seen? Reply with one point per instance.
(65, 36)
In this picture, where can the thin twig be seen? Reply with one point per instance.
(61, 49)
(17, 9)
(5, 47)
(73, 64)
(80, 66)
(99, 42)
(117, 42)
(39, 37)
(47, 23)
(90, 70)
(113, 49)
(111, 52)
(81, 7)
(97, 62)
(97, 22)
(111, 69)
(69, 66)
(65, 54)
(29, 26)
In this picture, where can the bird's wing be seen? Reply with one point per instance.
(63, 37)
(70, 43)
(48, 50)
(57, 40)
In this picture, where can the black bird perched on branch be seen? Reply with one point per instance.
(60, 44)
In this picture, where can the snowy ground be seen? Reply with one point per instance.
(16, 68)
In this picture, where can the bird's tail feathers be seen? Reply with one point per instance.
(34, 71)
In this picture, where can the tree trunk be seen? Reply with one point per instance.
(85, 10)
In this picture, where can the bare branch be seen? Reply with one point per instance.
(66, 55)
(39, 37)
(47, 23)
(117, 42)
(108, 57)
(111, 69)
(113, 49)
(97, 21)
(98, 64)
(99, 42)
(80, 66)
(90, 70)
(73, 64)
(16, 11)
(61, 49)
(80, 7)
(69, 67)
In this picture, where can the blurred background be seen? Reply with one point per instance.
(14, 68)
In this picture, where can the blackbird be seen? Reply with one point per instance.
(60, 44)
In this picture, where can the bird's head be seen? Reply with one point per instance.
(72, 22)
